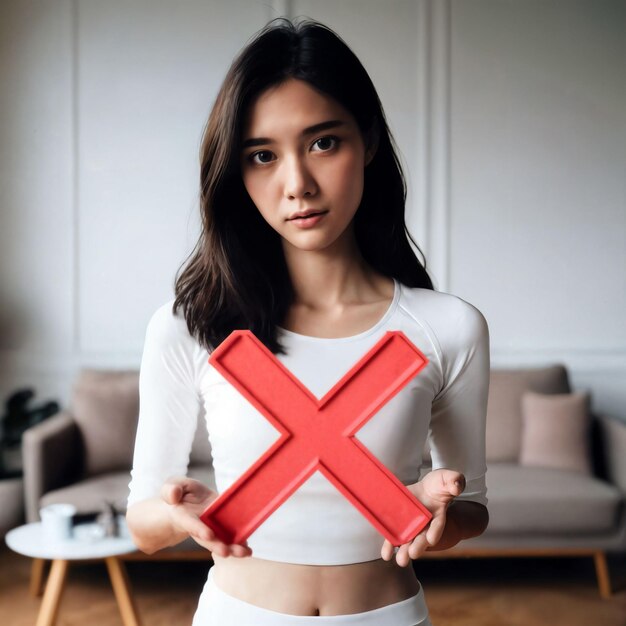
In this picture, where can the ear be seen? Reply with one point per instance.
(372, 137)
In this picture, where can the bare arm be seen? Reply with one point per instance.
(157, 523)
(151, 526)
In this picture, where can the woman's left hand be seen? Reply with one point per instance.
(435, 491)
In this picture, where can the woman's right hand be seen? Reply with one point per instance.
(188, 499)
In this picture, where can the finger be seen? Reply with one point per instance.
(174, 488)
(240, 550)
(402, 556)
(454, 482)
(418, 546)
(233, 549)
(387, 550)
(192, 524)
(171, 492)
(435, 529)
(215, 547)
(219, 548)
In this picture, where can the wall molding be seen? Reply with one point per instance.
(597, 361)
(432, 197)
(75, 169)
(419, 223)
(65, 363)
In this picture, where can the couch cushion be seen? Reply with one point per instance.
(105, 405)
(556, 431)
(540, 500)
(91, 494)
(504, 415)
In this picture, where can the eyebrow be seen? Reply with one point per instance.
(262, 141)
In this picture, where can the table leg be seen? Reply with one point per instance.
(52, 594)
(121, 587)
(36, 577)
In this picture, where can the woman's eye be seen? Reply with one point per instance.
(326, 143)
(262, 156)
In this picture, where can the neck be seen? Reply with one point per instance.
(329, 278)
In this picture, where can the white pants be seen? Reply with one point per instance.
(217, 608)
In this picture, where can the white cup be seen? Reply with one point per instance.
(56, 520)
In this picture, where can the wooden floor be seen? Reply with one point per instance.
(463, 592)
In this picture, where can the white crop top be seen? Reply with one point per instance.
(445, 402)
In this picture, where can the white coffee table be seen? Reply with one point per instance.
(30, 541)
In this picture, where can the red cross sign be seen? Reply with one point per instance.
(317, 435)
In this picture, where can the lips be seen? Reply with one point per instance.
(305, 213)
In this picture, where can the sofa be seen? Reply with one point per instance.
(535, 507)
(83, 456)
(12, 509)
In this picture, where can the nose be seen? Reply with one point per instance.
(299, 181)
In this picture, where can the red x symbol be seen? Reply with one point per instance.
(317, 435)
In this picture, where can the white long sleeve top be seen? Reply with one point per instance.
(445, 402)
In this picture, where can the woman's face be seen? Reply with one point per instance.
(303, 151)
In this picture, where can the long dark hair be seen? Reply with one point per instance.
(236, 276)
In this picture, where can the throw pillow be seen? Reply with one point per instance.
(556, 431)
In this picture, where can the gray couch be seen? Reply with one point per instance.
(83, 456)
(539, 511)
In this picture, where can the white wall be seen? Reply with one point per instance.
(102, 110)
(511, 120)
(538, 171)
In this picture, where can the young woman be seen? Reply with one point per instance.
(304, 243)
